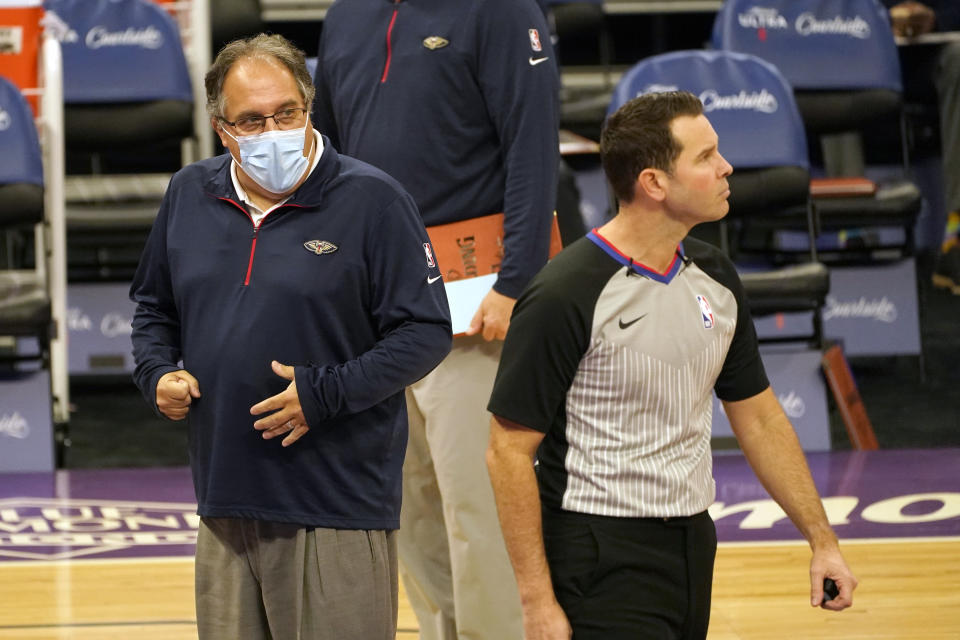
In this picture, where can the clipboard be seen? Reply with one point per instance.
(469, 254)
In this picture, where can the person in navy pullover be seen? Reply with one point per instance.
(285, 298)
(457, 100)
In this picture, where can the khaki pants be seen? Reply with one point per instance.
(260, 580)
(452, 557)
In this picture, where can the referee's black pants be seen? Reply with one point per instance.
(632, 578)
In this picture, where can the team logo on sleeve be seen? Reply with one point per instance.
(319, 247)
(706, 313)
(535, 40)
(427, 249)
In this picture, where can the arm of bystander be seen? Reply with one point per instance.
(517, 73)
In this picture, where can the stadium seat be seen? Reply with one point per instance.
(128, 108)
(231, 19)
(25, 308)
(751, 107)
(841, 59)
(125, 79)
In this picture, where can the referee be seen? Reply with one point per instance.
(606, 378)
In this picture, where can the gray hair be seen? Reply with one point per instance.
(258, 46)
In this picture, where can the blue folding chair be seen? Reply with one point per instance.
(128, 108)
(751, 107)
(816, 44)
(125, 78)
(24, 296)
(841, 59)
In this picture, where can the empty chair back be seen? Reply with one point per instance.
(839, 56)
(125, 79)
(21, 166)
(579, 31)
(24, 303)
(816, 44)
(231, 19)
(20, 160)
(747, 101)
(118, 51)
(751, 107)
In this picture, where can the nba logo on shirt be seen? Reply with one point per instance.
(706, 313)
(535, 40)
(429, 251)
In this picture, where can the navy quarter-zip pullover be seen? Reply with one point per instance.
(338, 282)
(456, 103)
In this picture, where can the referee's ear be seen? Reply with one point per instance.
(652, 184)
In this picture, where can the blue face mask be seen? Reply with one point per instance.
(273, 159)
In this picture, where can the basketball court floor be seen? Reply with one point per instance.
(107, 554)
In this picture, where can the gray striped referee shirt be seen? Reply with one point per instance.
(615, 363)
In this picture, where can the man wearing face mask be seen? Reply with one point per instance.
(286, 296)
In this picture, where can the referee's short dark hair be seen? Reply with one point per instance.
(637, 136)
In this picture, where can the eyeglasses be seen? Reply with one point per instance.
(285, 119)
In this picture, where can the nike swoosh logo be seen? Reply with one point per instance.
(535, 61)
(624, 325)
(433, 279)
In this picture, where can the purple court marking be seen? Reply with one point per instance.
(112, 513)
(867, 494)
(152, 512)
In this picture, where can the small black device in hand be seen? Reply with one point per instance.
(830, 590)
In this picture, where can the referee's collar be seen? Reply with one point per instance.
(638, 267)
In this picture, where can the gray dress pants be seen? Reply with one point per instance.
(260, 580)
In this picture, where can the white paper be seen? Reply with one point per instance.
(464, 297)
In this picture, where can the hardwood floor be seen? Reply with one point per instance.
(908, 589)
